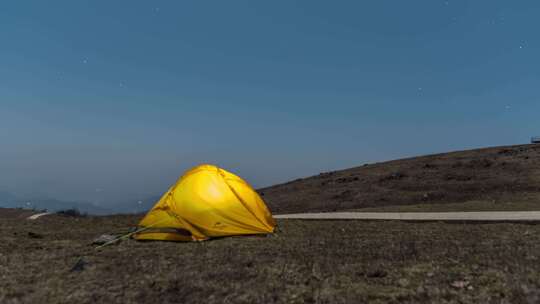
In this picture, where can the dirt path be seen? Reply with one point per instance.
(419, 216)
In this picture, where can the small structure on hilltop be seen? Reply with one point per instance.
(535, 140)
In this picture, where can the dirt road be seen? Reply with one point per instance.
(419, 216)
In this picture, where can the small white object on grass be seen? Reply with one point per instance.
(37, 215)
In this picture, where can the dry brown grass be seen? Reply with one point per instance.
(306, 262)
(501, 174)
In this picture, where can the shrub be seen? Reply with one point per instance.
(73, 212)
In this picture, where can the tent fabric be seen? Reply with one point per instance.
(206, 202)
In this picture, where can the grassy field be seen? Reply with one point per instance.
(305, 262)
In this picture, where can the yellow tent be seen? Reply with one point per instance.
(206, 202)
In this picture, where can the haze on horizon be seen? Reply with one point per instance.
(107, 101)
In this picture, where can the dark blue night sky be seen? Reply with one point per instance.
(109, 100)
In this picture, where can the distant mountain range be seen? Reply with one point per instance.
(9, 200)
(136, 205)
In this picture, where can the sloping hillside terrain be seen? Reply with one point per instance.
(494, 175)
(16, 213)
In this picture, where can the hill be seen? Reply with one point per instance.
(16, 213)
(490, 175)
